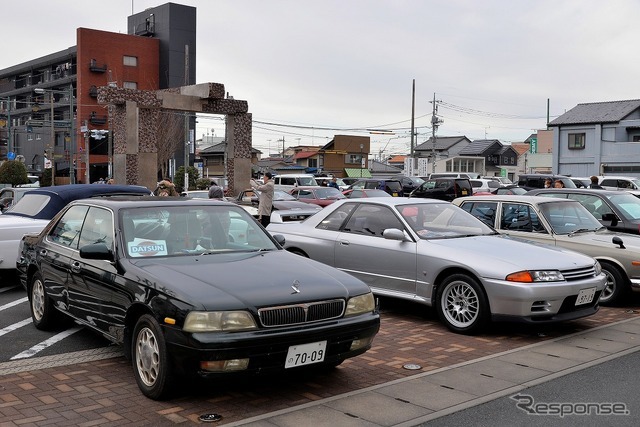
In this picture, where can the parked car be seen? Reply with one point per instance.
(616, 210)
(10, 196)
(468, 175)
(365, 192)
(581, 181)
(502, 180)
(195, 194)
(321, 196)
(391, 186)
(325, 180)
(192, 287)
(536, 180)
(434, 253)
(409, 183)
(484, 185)
(287, 182)
(509, 189)
(288, 208)
(349, 180)
(443, 188)
(626, 183)
(568, 224)
(38, 205)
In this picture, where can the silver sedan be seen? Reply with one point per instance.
(434, 253)
(565, 223)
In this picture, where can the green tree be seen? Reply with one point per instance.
(203, 184)
(13, 172)
(45, 179)
(178, 180)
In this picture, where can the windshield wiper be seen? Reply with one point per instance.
(579, 230)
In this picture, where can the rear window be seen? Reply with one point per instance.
(394, 185)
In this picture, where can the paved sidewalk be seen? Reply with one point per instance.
(97, 388)
(426, 396)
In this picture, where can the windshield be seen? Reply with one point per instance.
(307, 180)
(567, 217)
(281, 195)
(184, 230)
(628, 204)
(329, 193)
(442, 220)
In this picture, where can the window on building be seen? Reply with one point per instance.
(636, 138)
(130, 85)
(131, 61)
(353, 158)
(576, 141)
(38, 137)
(312, 163)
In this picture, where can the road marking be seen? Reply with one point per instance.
(15, 326)
(13, 303)
(46, 343)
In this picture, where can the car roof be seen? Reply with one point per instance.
(124, 202)
(577, 191)
(514, 198)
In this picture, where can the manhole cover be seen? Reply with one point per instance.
(412, 366)
(210, 418)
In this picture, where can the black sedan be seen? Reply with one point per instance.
(616, 210)
(192, 287)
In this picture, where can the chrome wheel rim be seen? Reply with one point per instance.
(37, 300)
(147, 357)
(609, 287)
(460, 304)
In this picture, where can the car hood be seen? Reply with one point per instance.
(491, 257)
(248, 279)
(10, 224)
(602, 239)
(292, 204)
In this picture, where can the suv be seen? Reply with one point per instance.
(409, 183)
(626, 183)
(391, 186)
(444, 189)
(288, 182)
(536, 180)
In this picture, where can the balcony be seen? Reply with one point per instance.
(94, 67)
(95, 119)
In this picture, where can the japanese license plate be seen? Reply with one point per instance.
(306, 354)
(585, 296)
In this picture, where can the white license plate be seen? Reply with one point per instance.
(306, 354)
(585, 296)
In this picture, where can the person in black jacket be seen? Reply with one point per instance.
(594, 183)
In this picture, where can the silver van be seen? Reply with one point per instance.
(288, 182)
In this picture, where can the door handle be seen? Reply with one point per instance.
(76, 267)
(344, 243)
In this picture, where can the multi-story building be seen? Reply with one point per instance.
(48, 106)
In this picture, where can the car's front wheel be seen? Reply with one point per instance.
(615, 287)
(150, 359)
(462, 304)
(43, 313)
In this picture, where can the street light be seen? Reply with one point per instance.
(69, 92)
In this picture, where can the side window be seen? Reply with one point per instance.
(371, 220)
(305, 194)
(515, 217)
(67, 231)
(287, 181)
(334, 221)
(97, 228)
(484, 211)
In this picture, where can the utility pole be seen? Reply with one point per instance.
(186, 121)
(53, 143)
(413, 114)
(86, 151)
(435, 122)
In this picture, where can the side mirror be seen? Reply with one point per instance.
(613, 218)
(279, 238)
(394, 234)
(96, 251)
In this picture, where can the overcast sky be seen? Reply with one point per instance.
(316, 68)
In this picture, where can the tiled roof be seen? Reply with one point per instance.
(597, 112)
(442, 143)
(479, 147)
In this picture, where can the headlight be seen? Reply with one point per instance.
(360, 304)
(536, 276)
(218, 321)
(598, 268)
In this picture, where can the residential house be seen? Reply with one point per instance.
(383, 170)
(445, 147)
(487, 157)
(598, 138)
(346, 156)
(214, 159)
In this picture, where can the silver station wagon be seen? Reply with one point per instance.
(434, 253)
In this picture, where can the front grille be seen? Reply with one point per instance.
(301, 313)
(578, 273)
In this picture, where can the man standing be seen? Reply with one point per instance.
(594, 183)
(215, 191)
(334, 183)
(265, 201)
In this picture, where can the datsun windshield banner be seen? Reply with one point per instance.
(146, 247)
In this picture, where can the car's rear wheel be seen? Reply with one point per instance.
(43, 313)
(616, 286)
(150, 359)
(462, 304)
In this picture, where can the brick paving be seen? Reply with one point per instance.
(104, 393)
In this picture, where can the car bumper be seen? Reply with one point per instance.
(541, 302)
(267, 349)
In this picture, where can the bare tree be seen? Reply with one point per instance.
(170, 137)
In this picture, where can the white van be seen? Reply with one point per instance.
(288, 182)
(626, 183)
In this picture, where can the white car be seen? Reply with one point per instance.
(484, 185)
(37, 206)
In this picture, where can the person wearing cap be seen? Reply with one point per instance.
(265, 202)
